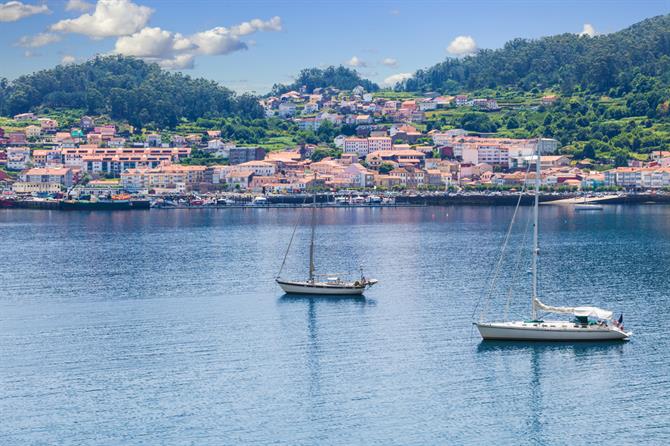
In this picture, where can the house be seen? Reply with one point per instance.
(356, 145)
(25, 117)
(308, 124)
(259, 168)
(48, 125)
(311, 107)
(410, 177)
(549, 99)
(403, 157)
(461, 100)
(154, 140)
(86, 123)
(546, 161)
(239, 155)
(33, 131)
(17, 138)
(286, 109)
(358, 176)
(239, 179)
(64, 176)
(17, 158)
(426, 105)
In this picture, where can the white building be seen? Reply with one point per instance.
(356, 145)
(376, 143)
(18, 158)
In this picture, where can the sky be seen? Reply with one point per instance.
(250, 45)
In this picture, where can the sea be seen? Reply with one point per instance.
(166, 327)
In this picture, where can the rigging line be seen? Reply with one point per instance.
(290, 242)
(516, 270)
(496, 271)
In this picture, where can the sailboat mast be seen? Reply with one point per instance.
(536, 220)
(311, 243)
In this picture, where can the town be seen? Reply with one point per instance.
(388, 152)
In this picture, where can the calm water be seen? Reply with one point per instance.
(165, 327)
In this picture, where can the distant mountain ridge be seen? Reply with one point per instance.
(567, 61)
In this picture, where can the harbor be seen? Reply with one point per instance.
(364, 200)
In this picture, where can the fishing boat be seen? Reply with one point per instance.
(589, 323)
(325, 285)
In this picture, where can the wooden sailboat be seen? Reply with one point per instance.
(589, 324)
(330, 285)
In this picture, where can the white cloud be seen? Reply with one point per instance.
(356, 62)
(13, 11)
(38, 40)
(588, 30)
(462, 45)
(390, 62)
(110, 18)
(67, 60)
(395, 12)
(168, 49)
(176, 51)
(78, 5)
(395, 78)
(222, 40)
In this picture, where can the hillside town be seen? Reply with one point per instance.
(387, 152)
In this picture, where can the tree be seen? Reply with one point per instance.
(385, 168)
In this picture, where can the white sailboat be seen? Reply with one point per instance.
(330, 285)
(589, 324)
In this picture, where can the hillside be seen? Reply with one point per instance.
(603, 64)
(337, 77)
(126, 89)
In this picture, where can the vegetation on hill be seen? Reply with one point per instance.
(125, 89)
(340, 77)
(604, 64)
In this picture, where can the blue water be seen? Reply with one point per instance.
(165, 327)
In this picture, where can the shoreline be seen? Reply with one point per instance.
(327, 201)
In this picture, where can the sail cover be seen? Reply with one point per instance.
(577, 311)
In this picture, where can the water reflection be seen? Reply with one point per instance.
(577, 348)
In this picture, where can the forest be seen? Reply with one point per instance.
(125, 89)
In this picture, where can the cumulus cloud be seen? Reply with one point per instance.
(356, 62)
(78, 5)
(176, 51)
(110, 18)
(168, 49)
(395, 78)
(38, 40)
(13, 11)
(390, 62)
(462, 45)
(67, 60)
(588, 30)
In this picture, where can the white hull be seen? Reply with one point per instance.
(321, 288)
(549, 331)
(588, 207)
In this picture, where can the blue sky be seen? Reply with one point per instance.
(249, 45)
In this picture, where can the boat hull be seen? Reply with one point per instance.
(549, 331)
(588, 207)
(320, 289)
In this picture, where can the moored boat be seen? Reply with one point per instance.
(331, 286)
(589, 324)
